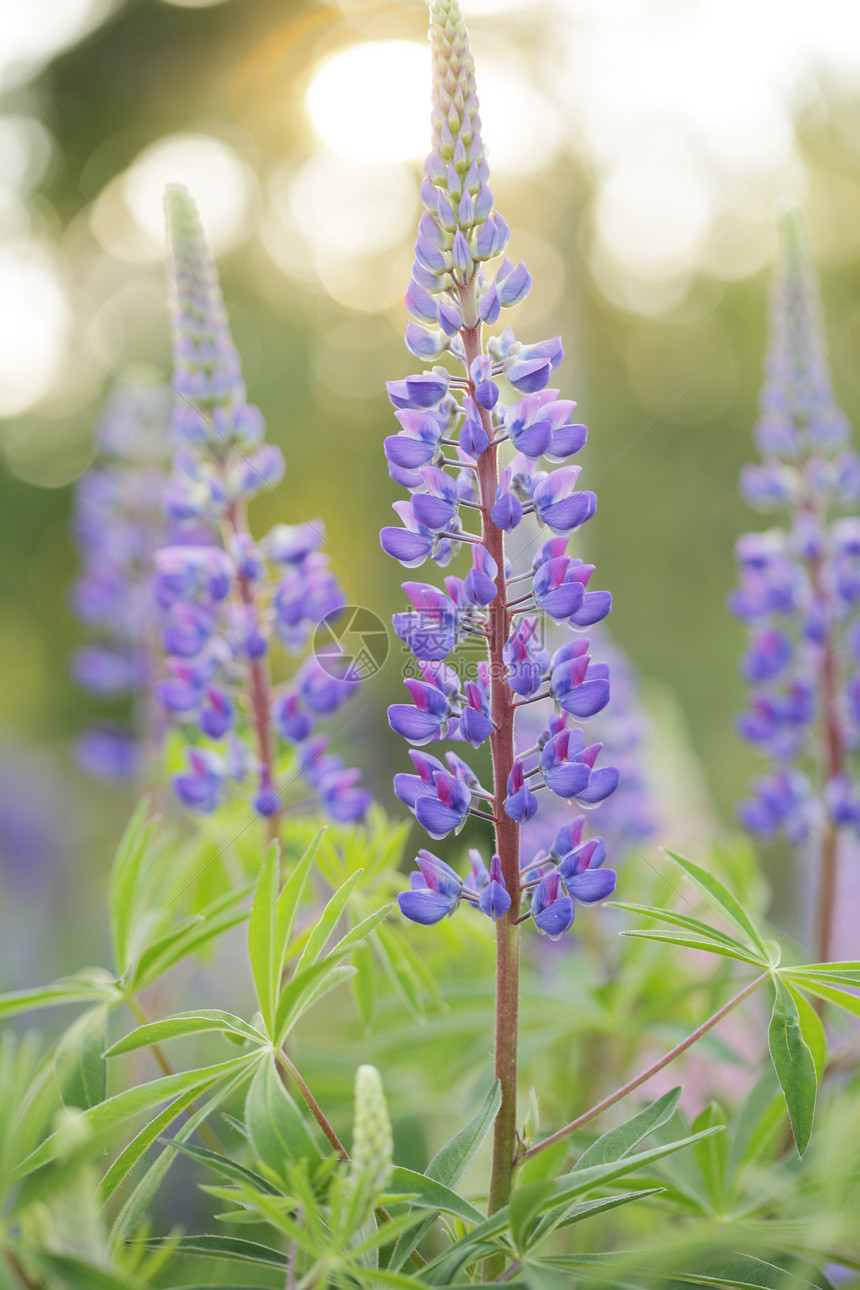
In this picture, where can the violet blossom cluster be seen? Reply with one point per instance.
(492, 444)
(229, 604)
(799, 585)
(629, 817)
(118, 522)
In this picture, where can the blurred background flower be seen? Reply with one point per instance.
(639, 150)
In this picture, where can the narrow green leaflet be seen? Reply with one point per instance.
(278, 1128)
(565, 1189)
(84, 987)
(712, 1154)
(692, 942)
(326, 923)
(227, 1168)
(271, 924)
(450, 1163)
(225, 1247)
(618, 1142)
(117, 1110)
(842, 998)
(79, 1062)
(812, 1029)
(133, 849)
(794, 1064)
(134, 1209)
(187, 937)
(720, 895)
(525, 1206)
(694, 925)
(433, 1195)
(186, 1023)
(143, 1140)
(76, 1274)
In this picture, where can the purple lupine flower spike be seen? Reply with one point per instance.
(475, 449)
(118, 524)
(799, 585)
(232, 606)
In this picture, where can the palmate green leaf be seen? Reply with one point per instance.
(691, 942)
(278, 1129)
(794, 1064)
(565, 1190)
(620, 1141)
(450, 1163)
(719, 894)
(125, 1106)
(79, 1062)
(186, 1023)
(271, 924)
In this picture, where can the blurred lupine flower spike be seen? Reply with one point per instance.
(474, 444)
(118, 523)
(228, 603)
(799, 584)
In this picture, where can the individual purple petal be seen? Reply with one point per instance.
(592, 885)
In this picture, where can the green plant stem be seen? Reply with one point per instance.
(652, 1070)
(207, 1134)
(285, 1065)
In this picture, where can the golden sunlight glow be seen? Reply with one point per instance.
(370, 102)
(34, 326)
(217, 179)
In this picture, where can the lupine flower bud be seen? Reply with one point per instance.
(228, 608)
(372, 1141)
(799, 591)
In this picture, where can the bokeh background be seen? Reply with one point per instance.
(640, 150)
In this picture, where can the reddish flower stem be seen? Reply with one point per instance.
(833, 762)
(506, 830)
(259, 687)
